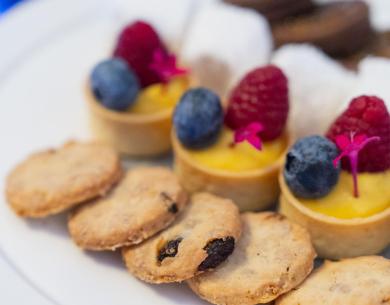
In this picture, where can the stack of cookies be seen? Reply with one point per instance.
(342, 29)
(167, 236)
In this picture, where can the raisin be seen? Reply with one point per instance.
(173, 208)
(169, 250)
(217, 251)
(168, 200)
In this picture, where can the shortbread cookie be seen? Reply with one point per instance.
(272, 257)
(146, 201)
(356, 281)
(202, 237)
(52, 181)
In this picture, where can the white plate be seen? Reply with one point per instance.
(47, 49)
(42, 68)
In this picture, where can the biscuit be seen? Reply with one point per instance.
(332, 27)
(52, 181)
(356, 281)
(202, 237)
(276, 10)
(272, 257)
(145, 201)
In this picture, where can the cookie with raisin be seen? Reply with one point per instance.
(272, 257)
(145, 201)
(202, 237)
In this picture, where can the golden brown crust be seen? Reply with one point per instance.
(358, 281)
(252, 190)
(52, 181)
(207, 218)
(336, 238)
(146, 201)
(141, 135)
(272, 257)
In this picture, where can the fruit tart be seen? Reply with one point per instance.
(131, 95)
(235, 153)
(338, 186)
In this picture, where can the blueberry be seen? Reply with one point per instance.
(309, 170)
(114, 84)
(198, 118)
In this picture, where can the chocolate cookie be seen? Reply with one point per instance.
(145, 201)
(272, 257)
(52, 181)
(202, 237)
(276, 10)
(355, 281)
(339, 28)
(378, 46)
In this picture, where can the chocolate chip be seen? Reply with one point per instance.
(173, 208)
(218, 250)
(169, 250)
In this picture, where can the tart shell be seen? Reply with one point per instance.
(130, 134)
(336, 238)
(253, 190)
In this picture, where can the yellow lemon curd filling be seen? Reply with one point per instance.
(158, 97)
(374, 197)
(240, 157)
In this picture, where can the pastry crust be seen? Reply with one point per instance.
(356, 281)
(252, 190)
(272, 257)
(145, 201)
(207, 218)
(139, 135)
(130, 134)
(52, 181)
(335, 238)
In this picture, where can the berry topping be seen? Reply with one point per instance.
(136, 44)
(261, 96)
(142, 48)
(309, 169)
(165, 66)
(198, 118)
(365, 115)
(249, 133)
(114, 84)
(350, 147)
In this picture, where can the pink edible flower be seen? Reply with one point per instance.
(249, 133)
(164, 64)
(350, 148)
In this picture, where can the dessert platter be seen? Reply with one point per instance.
(208, 165)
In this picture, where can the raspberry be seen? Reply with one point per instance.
(366, 115)
(261, 96)
(137, 44)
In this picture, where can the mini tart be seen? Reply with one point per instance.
(252, 190)
(336, 238)
(141, 135)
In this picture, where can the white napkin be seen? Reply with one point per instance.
(224, 42)
(318, 85)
